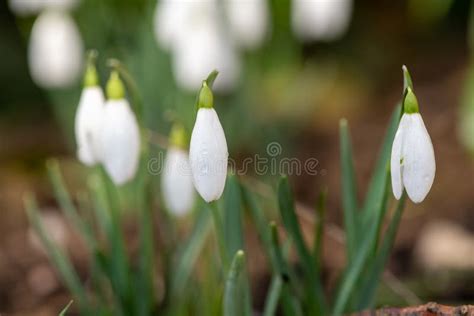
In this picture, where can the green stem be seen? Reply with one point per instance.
(219, 229)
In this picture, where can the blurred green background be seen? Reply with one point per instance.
(288, 91)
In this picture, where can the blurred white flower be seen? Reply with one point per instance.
(248, 21)
(88, 124)
(120, 141)
(177, 181)
(32, 7)
(208, 151)
(169, 22)
(55, 51)
(120, 134)
(323, 20)
(198, 43)
(413, 165)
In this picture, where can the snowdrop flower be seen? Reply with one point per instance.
(248, 21)
(176, 180)
(204, 48)
(88, 119)
(208, 149)
(324, 20)
(412, 164)
(120, 135)
(55, 50)
(169, 22)
(31, 7)
(191, 31)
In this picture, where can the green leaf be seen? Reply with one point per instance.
(291, 304)
(232, 216)
(64, 310)
(273, 296)
(232, 300)
(187, 256)
(315, 296)
(375, 271)
(376, 191)
(319, 229)
(116, 262)
(349, 190)
(56, 255)
(67, 206)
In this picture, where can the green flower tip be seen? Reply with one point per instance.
(206, 98)
(410, 104)
(91, 78)
(407, 82)
(178, 136)
(115, 88)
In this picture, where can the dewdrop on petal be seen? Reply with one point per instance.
(248, 21)
(323, 20)
(208, 149)
(176, 180)
(120, 134)
(88, 121)
(55, 50)
(412, 165)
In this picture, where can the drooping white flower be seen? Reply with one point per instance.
(31, 7)
(170, 22)
(192, 32)
(55, 50)
(208, 150)
(176, 180)
(412, 164)
(205, 48)
(323, 20)
(120, 135)
(248, 21)
(88, 124)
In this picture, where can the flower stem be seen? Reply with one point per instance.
(219, 230)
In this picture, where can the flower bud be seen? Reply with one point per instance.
(88, 120)
(55, 50)
(176, 180)
(412, 163)
(120, 134)
(324, 20)
(208, 151)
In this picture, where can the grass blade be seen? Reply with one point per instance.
(375, 192)
(190, 252)
(291, 305)
(273, 296)
(349, 190)
(232, 299)
(56, 255)
(370, 286)
(290, 221)
(67, 206)
(232, 216)
(64, 310)
(319, 229)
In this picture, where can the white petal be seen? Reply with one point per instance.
(396, 161)
(169, 22)
(208, 155)
(321, 19)
(177, 182)
(55, 50)
(248, 21)
(419, 166)
(88, 123)
(120, 141)
(203, 48)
